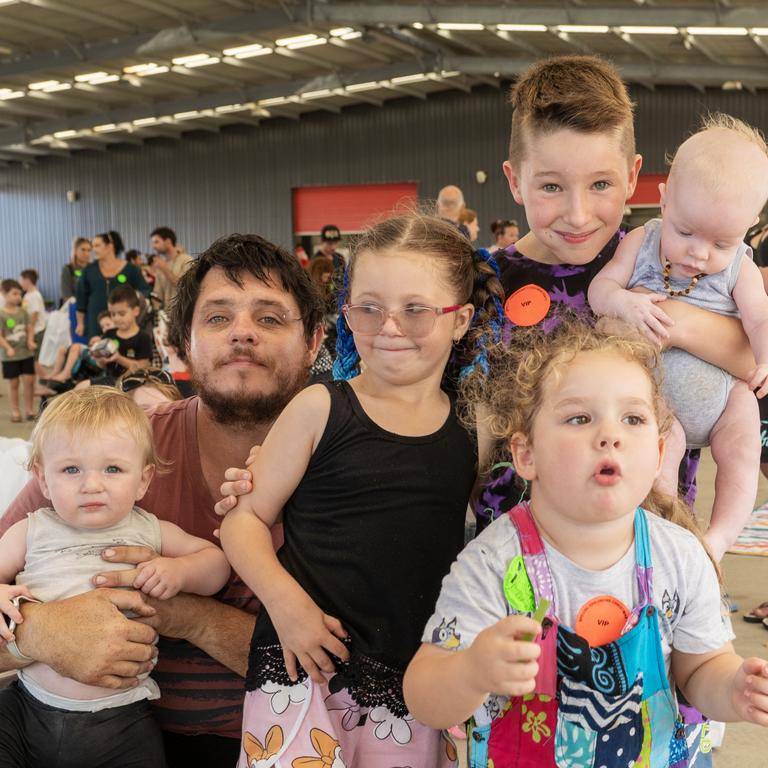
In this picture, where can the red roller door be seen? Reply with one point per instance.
(350, 207)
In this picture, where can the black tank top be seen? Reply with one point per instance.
(373, 527)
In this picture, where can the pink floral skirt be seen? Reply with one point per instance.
(306, 726)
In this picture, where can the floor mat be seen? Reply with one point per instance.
(754, 538)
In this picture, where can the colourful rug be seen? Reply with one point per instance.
(754, 538)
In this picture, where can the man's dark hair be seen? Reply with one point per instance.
(238, 255)
(166, 233)
(31, 275)
(124, 294)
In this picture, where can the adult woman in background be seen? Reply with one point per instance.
(70, 272)
(100, 278)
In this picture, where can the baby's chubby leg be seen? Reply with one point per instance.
(735, 444)
(674, 450)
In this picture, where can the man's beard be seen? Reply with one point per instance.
(245, 409)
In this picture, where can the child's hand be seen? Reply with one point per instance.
(237, 482)
(758, 380)
(7, 593)
(501, 662)
(10, 352)
(32, 345)
(640, 310)
(160, 577)
(750, 691)
(306, 633)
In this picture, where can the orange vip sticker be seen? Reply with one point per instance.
(601, 620)
(527, 305)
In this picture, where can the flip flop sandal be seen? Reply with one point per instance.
(752, 618)
(765, 623)
(16, 419)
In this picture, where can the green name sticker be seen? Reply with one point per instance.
(121, 278)
(10, 323)
(78, 272)
(517, 586)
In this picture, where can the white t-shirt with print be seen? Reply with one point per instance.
(686, 592)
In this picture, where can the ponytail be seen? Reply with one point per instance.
(347, 363)
(487, 321)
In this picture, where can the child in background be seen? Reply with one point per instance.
(628, 618)
(572, 164)
(93, 455)
(17, 349)
(372, 478)
(33, 303)
(717, 186)
(134, 347)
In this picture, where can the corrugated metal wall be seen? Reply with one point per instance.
(241, 179)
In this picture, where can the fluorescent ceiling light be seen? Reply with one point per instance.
(274, 102)
(241, 49)
(417, 25)
(231, 108)
(307, 44)
(146, 121)
(251, 54)
(105, 128)
(408, 79)
(352, 36)
(64, 134)
(362, 86)
(443, 73)
(145, 70)
(321, 94)
(8, 2)
(649, 30)
(196, 60)
(42, 85)
(57, 87)
(761, 31)
(286, 41)
(6, 94)
(521, 27)
(460, 27)
(101, 80)
(594, 29)
(730, 31)
(341, 31)
(187, 115)
(90, 76)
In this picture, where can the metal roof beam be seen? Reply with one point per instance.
(68, 10)
(125, 47)
(163, 9)
(670, 74)
(362, 13)
(246, 94)
(41, 29)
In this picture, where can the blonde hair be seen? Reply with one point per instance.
(581, 93)
(89, 412)
(508, 401)
(724, 155)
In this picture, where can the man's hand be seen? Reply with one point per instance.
(128, 576)
(87, 638)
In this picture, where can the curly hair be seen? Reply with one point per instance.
(508, 400)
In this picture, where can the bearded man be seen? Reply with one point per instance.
(249, 324)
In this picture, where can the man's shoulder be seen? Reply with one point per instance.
(172, 412)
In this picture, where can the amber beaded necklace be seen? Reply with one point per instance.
(695, 279)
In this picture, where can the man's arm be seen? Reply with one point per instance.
(222, 631)
(717, 339)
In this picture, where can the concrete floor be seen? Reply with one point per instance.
(746, 578)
